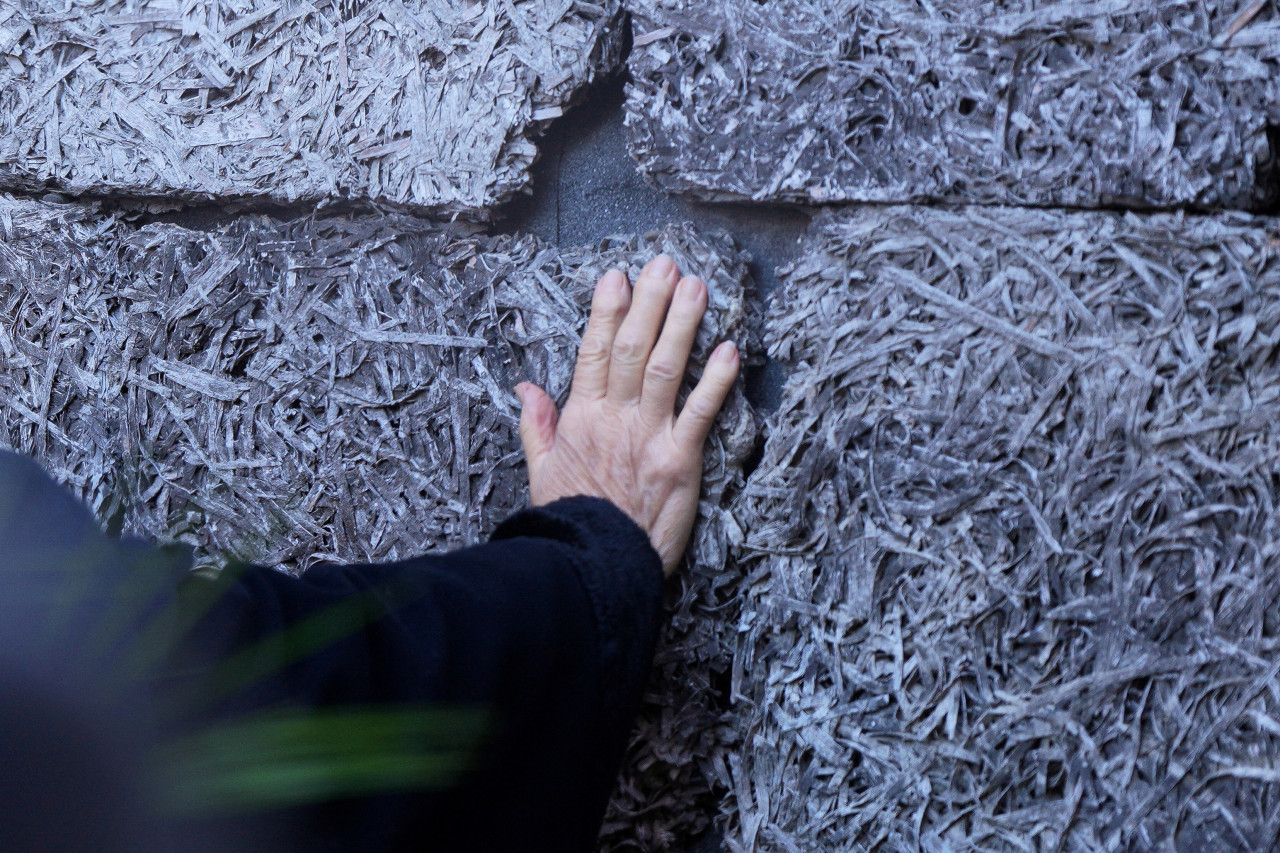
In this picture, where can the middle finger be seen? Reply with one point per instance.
(665, 370)
(639, 330)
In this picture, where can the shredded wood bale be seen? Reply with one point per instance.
(430, 104)
(340, 389)
(1076, 102)
(1012, 550)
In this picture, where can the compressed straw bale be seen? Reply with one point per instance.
(425, 103)
(340, 389)
(53, 359)
(1012, 552)
(1075, 103)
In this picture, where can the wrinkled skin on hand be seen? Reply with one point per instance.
(619, 436)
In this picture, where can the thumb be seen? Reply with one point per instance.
(538, 418)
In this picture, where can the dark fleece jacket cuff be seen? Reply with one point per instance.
(622, 574)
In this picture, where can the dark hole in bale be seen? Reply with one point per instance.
(237, 369)
(1055, 774)
(853, 48)
(434, 57)
(865, 127)
(683, 42)
(753, 458)
(626, 39)
(721, 683)
(719, 51)
(1268, 190)
(350, 8)
(966, 106)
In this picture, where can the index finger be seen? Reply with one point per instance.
(609, 305)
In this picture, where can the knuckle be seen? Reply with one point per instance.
(593, 349)
(655, 291)
(662, 371)
(701, 409)
(629, 350)
(692, 320)
(663, 472)
(674, 467)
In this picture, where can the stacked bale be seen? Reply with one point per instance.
(1026, 102)
(425, 103)
(1012, 550)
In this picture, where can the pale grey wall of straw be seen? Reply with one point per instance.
(1004, 577)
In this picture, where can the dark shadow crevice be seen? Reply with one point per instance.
(1268, 178)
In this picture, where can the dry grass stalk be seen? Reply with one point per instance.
(425, 103)
(1074, 103)
(1012, 557)
(340, 389)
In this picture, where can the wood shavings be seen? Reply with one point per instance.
(428, 104)
(1005, 598)
(1075, 103)
(341, 390)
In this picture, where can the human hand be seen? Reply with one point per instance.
(619, 437)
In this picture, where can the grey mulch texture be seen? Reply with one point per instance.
(425, 103)
(1066, 103)
(1013, 555)
(338, 389)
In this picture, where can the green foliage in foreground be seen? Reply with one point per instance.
(288, 758)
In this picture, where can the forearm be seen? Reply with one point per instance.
(622, 576)
(550, 627)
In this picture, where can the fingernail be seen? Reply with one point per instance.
(689, 288)
(726, 351)
(520, 391)
(661, 266)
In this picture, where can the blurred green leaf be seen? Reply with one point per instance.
(289, 758)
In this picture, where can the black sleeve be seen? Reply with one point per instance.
(550, 626)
